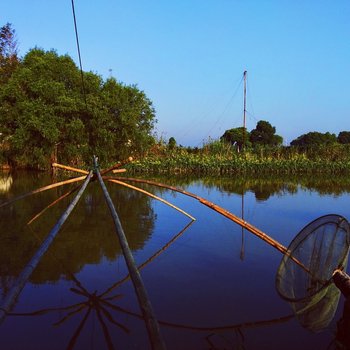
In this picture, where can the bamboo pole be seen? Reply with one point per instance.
(216, 329)
(52, 204)
(81, 171)
(30, 267)
(118, 165)
(69, 168)
(42, 189)
(219, 210)
(145, 263)
(228, 215)
(150, 195)
(117, 171)
(140, 290)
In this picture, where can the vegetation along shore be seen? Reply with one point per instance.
(48, 113)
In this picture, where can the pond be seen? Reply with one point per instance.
(211, 283)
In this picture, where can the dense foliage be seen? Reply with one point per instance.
(237, 137)
(344, 137)
(8, 52)
(45, 117)
(263, 135)
(219, 158)
(314, 139)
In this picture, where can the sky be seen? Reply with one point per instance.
(189, 56)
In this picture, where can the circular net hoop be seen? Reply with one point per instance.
(313, 255)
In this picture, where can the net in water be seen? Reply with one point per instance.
(304, 277)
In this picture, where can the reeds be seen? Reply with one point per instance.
(223, 159)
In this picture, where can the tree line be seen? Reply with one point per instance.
(265, 135)
(47, 113)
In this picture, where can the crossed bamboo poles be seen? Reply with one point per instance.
(103, 307)
(100, 303)
(148, 314)
(123, 182)
(240, 221)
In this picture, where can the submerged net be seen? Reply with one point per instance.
(304, 277)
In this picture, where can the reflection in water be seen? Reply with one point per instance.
(242, 217)
(342, 281)
(5, 182)
(87, 243)
(103, 306)
(265, 187)
(74, 249)
(342, 341)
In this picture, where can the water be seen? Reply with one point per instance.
(210, 283)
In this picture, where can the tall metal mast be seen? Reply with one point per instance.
(244, 106)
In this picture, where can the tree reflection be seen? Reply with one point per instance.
(266, 186)
(107, 310)
(84, 240)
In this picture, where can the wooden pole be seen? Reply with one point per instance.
(81, 171)
(69, 168)
(219, 210)
(52, 204)
(230, 216)
(150, 195)
(118, 165)
(117, 171)
(42, 189)
(140, 290)
(150, 259)
(30, 267)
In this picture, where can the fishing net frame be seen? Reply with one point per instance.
(307, 267)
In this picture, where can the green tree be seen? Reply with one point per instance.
(264, 134)
(344, 137)
(8, 52)
(314, 138)
(171, 143)
(43, 115)
(237, 136)
(38, 104)
(132, 117)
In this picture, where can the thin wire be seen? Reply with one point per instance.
(202, 117)
(78, 46)
(250, 99)
(251, 116)
(221, 116)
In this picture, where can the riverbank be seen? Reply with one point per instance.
(219, 164)
(222, 159)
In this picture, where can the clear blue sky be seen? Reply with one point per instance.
(189, 57)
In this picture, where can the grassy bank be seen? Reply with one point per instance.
(217, 158)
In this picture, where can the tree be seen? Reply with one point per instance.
(344, 137)
(8, 52)
(171, 143)
(314, 138)
(43, 113)
(264, 134)
(132, 117)
(237, 136)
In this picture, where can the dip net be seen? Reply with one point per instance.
(304, 277)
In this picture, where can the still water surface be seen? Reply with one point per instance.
(212, 284)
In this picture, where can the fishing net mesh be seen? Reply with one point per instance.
(306, 269)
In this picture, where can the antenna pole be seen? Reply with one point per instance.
(244, 106)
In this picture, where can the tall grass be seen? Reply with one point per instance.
(219, 158)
